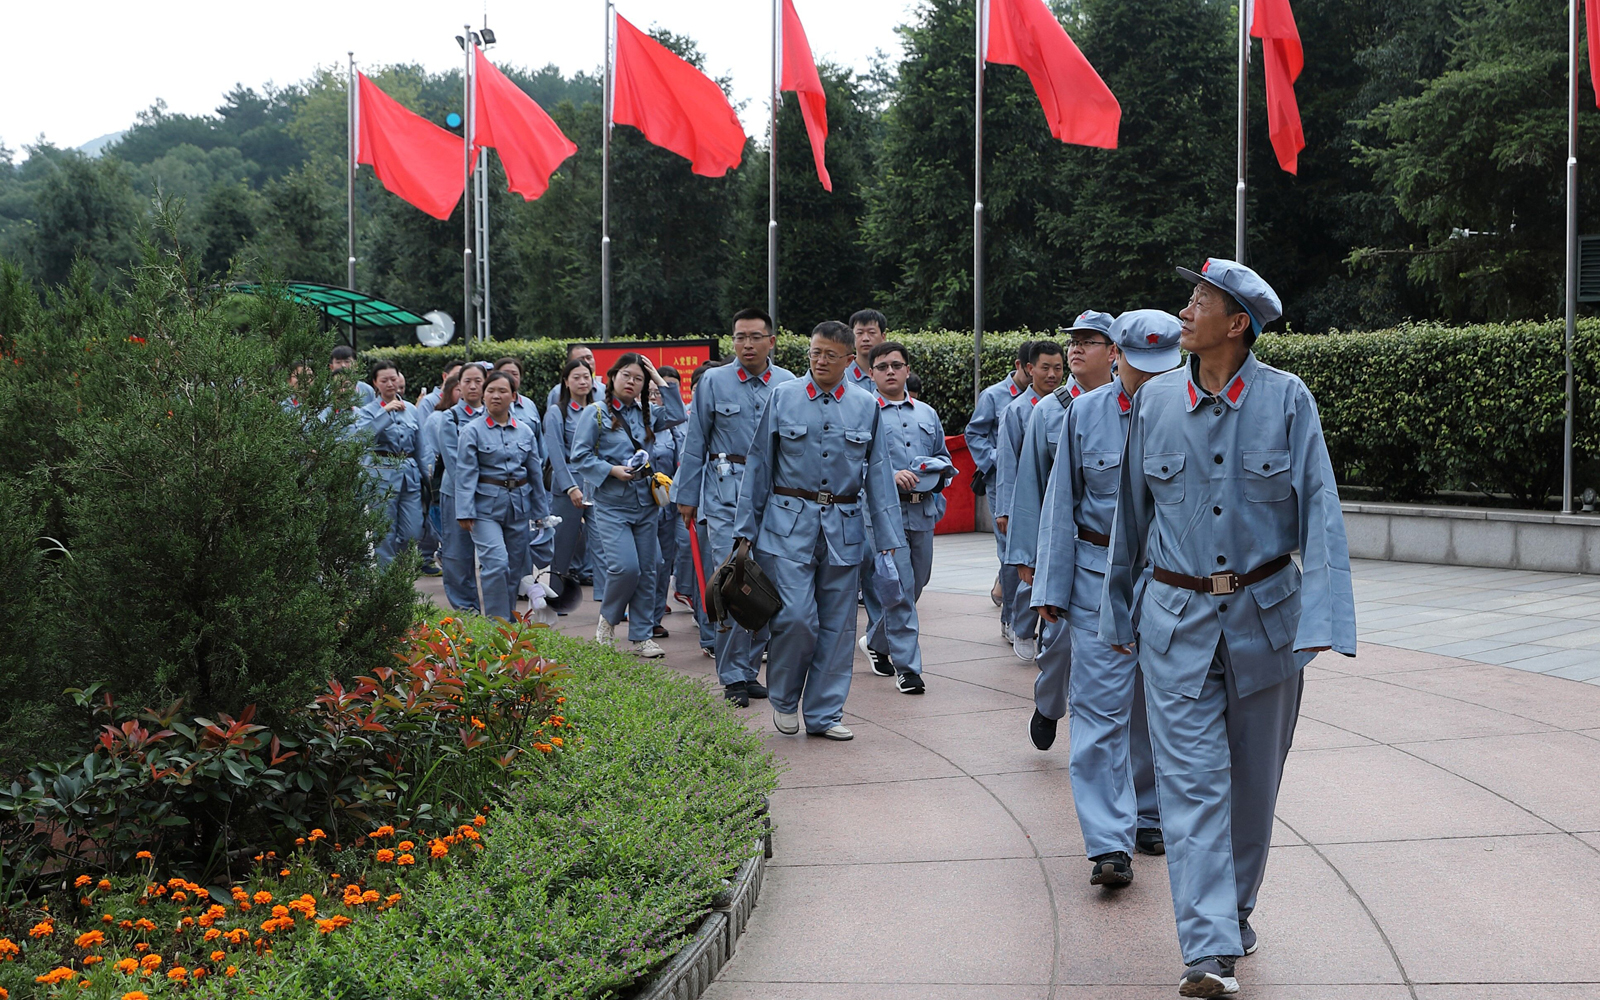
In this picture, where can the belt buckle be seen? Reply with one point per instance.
(824, 497)
(916, 497)
(1223, 584)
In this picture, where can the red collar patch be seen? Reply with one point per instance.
(1035, 401)
(811, 390)
(745, 376)
(616, 404)
(509, 423)
(470, 411)
(1123, 402)
(1194, 397)
(1235, 389)
(855, 371)
(1075, 391)
(1013, 388)
(838, 391)
(575, 405)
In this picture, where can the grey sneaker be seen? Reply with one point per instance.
(1026, 649)
(1247, 937)
(648, 649)
(1211, 976)
(1006, 633)
(605, 633)
(837, 731)
(787, 723)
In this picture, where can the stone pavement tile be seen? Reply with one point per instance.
(1466, 649)
(1389, 713)
(1511, 656)
(1311, 929)
(1483, 910)
(947, 650)
(1309, 734)
(963, 922)
(1109, 936)
(1543, 629)
(983, 743)
(1588, 638)
(1509, 991)
(1350, 796)
(1556, 776)
(1584, 671)
(1592, 839)
(1250, 989)
(875, 755)
(1557, 659)
(873, 697)
(1373, 658)
(984, 629)
(1001, 673)
(722, 989)
(1549, 700)
(932, 819)
(1042, 802)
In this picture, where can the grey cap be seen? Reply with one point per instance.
(1148, 339)
(1246, 286)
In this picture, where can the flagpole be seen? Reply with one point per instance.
(1244, 120)
(466, 187)
(1572, 242)
(977, 204)
(605, 190)
(772, 176)
(352, 153)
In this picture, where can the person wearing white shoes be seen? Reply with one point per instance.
(922, 469)
(609, 449)
(982, 435)
(1047, 366)
(817, 464)
(1224, 477)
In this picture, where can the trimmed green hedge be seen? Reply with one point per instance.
(1413, 411)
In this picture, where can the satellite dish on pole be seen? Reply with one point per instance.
(439, 330)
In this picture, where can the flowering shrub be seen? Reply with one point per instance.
(420, 743)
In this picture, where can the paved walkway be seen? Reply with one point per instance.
(1438, 831)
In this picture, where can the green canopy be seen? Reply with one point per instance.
(342, 305)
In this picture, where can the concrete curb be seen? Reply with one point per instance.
(693, 968)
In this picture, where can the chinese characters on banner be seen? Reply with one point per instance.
(684, 355)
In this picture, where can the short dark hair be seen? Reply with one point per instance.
(886, 348)
(1043, 347)
(753, 313)
(700, 372)
(1025, 353)
(668, 371)
(344, 352)
(509, 360)
(578, 347)
(449, 366)
(500, 376)
(861, 316)
(913, 383)
(832, 329)
(380, 366)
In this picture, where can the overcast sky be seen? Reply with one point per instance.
(75, 70)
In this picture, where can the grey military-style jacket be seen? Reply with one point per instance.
(728, 404)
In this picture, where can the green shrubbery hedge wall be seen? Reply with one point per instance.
(1412, 411)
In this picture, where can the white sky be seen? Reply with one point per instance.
(78, 69)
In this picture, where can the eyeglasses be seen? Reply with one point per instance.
(831, 357)
(750, 338)
(627, 376)
(885, 367)
(1086, 344)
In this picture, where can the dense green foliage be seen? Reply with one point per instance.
(181, 533)
(1430, 189)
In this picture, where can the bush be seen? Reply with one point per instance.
(1411, 412)
(190, 536)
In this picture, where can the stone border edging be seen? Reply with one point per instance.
(1495, 538)
(693, 968)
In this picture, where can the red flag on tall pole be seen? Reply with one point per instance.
(413, 157)
(1077, 103)
(1591, 14)
(1273, 23)
(800, 76)
(531, 146)
(676, 106)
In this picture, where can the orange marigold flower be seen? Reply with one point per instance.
(81, 881)
(144, 924)
(370, 896)
(262, 898)
(177, 972)
(333, 923)
(142, 946)
(143, 856)
(284, 873)
(5, 994)
(477, 723)
(127, 966)
(406, 859)
(232, 969)
(213, 934)
(150, 962)
(334, 876)
(90, 939)
(93, 959)
(104, 885)
(317, 835)
(54, 976)
(185, 922)
(280, 911)
(438, 849)
(218, 956)
(393, 900)
(405, 845)
(382, 831)
(85, 901)
(238, 935)
(300, 841)
(43, 928)
(135, 995)
(198, 972)
(180, 897)
(556, 740)
(8, 949)
(478, 820)
(385, 856)
(543, 747)
(126, 925)
(276, 924)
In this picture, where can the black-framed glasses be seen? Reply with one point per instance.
(885, 367)
(1086, 343)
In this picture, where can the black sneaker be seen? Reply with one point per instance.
(738, 693)
(1211, 976)
(1042, 730)
(658, 632)
(909, 683)
(1247, 937)
(755, 689)
(1114, 869)
(880, 663)
(1148, 840)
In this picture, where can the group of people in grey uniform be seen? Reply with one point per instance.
(1148, 511)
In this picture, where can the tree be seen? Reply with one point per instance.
(83, 208)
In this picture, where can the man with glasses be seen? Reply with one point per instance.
(922, 469)
(816, 451)
(729, 402)
(1047, 362)
(981, 436)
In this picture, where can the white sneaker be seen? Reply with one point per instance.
(605, 633)
(787, 723)
(837, 731)
(1026, 649)
(861, 644)
(1006, 633)
(648, 649)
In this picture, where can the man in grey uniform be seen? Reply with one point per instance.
(1048, 365)
(1225, 474)
(981, 435)
(816, 451)
(729, 402)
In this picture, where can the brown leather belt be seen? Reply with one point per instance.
(1094, 537)
(917, 497)
(509, 484)
(392, 454)
(724, 457)
(818, 496)
(1224, 583)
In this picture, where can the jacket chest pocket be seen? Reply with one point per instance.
(850, 525)
(1164, 475)
(1266, 478)
(782, 513)
(932, 433)
(727, 411)
(1102, 470)
(857, 443)
(792, 440)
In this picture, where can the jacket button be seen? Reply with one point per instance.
(1217, 412)
(1222, 560)
(1216, 510)
(1222, 607)
(1267, 467)
(824, 454)
(1217, 459)
(1163, 468)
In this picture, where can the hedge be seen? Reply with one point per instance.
(1413, 411)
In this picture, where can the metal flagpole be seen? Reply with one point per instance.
(467, 46)
(772, 173)
(980, 8)
(1244, 120)
(1572, 242)
(352, 153)
(605, 190)
(481, 200)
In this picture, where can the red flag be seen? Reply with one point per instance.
(1591, 13)
(1077, 103)
(413, 157)
(531, 146)
(800, 76)
(1273, 23)
(676, 106)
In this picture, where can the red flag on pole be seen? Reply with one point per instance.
(1273, 23)
(800, 76)
(413, 157)
(1591, 13)
(531, 146)
(676, 106)
(1077, 103)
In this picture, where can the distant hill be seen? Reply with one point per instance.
(94, 147)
